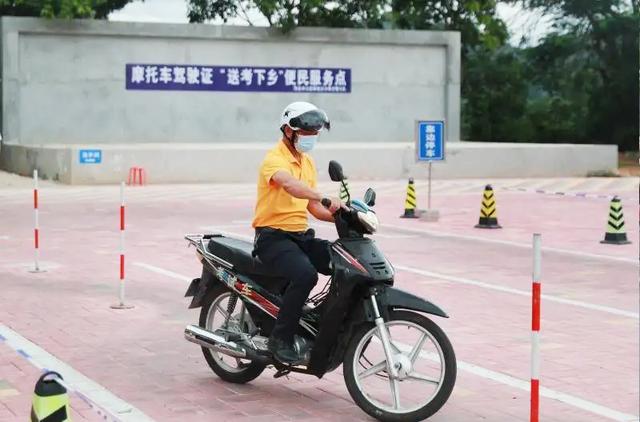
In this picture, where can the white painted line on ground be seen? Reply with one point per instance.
(396, 236)
(506, 289)
(514, 382)
(162, 271)
(510, 243)
(4, 237)
(483, 372)
(87, 387)
(44, 265)
(220, 229)
(216, 229)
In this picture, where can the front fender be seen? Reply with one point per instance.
(399, 299)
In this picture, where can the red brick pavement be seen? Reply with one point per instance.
(140, 354)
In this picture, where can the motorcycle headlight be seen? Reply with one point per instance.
(369, 220)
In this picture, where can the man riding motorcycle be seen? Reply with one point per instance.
(283, 242)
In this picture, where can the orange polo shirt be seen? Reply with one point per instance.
(275, 207)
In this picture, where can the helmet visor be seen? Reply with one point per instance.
(311, 120)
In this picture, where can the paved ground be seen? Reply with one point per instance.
(481, 278)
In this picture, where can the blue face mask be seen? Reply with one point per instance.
(305, 143)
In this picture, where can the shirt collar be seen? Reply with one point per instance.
(287, 153)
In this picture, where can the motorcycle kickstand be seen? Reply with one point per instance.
(282, 373)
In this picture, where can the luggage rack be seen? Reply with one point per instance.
(198, 240)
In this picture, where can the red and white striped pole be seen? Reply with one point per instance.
(36, 225)
(535, 331)
(121, 305)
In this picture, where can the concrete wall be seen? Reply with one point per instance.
(64, 82)
(239, 162)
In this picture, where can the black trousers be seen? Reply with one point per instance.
(297, 257)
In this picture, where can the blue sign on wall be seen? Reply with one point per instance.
(430, 140)
(171, 77)
(90, 156)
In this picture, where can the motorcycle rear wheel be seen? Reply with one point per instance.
(428, 375)
(244, 370)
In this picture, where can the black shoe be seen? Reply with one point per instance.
(284, 352)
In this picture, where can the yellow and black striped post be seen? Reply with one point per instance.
(410, 202)
(344, 191)
(50, 400)
(616, 234)
(488, 211)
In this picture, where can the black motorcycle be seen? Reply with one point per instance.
(398, 365)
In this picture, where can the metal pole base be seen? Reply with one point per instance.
(430, 215)
(122, 306)
(37, 270)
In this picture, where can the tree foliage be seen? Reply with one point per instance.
(68, 9)
(589, 63)
(474, 18)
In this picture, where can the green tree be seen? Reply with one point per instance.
(494, 95)
(590, 63)
(288, 14)
(474, 18)
(68, 9)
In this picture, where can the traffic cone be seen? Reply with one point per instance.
(488, 211)
(615, 234)
(344, 191)
(410, 202)
(50, 400)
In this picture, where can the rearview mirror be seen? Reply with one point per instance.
(370, 197)
(335, 171)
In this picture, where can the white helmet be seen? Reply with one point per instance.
(305, 116)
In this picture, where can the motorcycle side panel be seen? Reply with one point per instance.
(371, 257)
(396, 298)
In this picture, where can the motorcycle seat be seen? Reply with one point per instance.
(238, 253)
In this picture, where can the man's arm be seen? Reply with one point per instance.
(320, 212)
(298, 189)
(295, 187)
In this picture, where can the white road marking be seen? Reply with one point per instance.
(217, 230)
(483, 372)
(87, 387)
(520, 384)
(506, 289)
(162, 271)
(4, 237)
(43, 265)
(396, 236)
(510, 243)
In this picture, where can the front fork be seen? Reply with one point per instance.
(384, 338)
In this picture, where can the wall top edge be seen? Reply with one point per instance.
(227, 32)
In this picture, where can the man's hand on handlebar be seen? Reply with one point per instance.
(333, 204)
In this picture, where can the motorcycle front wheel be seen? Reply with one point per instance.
(425, 369)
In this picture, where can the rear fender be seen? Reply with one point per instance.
(398, 299)
(199, 288)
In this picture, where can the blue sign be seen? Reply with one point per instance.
(90, 156)
(430, 140)
(170, 77)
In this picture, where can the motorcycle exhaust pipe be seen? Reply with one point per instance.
(213, 341)
(205, 338)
